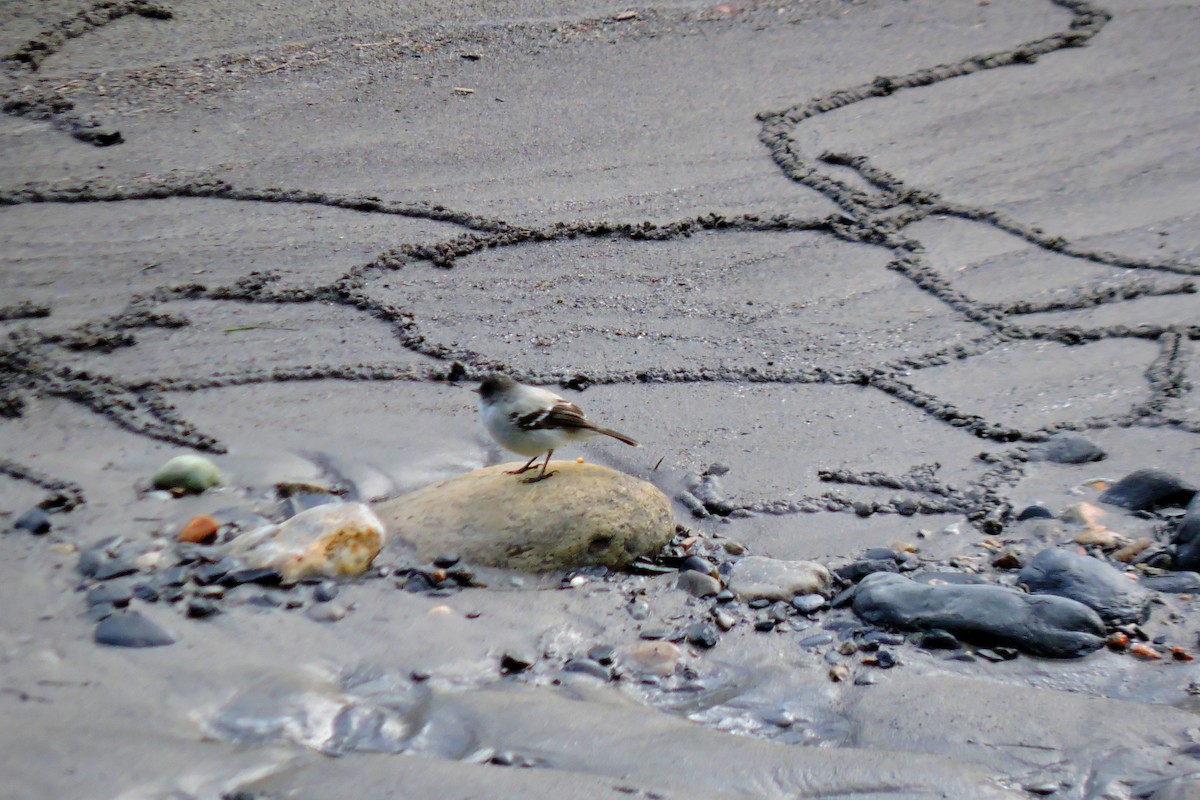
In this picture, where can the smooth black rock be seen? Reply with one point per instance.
(1066, 448)
(697, 564)
(1178, 583)
(1034, 512)
(145, 592)
(1068, 573)
(461, 574)
(35, 521)
(654, 634)
(843, 598)
(199, 608)
(416, 582)
(588, 667)
(114, 568)
(119, 594)
(759, 602)
(765, 625)
(132, 629)
(855, 572)
(1186, 538)
(514, 661)
(263, 576)
(1045, 625)
(1147, 490)
(446, 560)
(936, 639)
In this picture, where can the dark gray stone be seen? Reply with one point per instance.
(119, 594)
(1044, 625)
(1177, 583)
(132, 629)
(115, 568)
(1147, 490)
(855, 572)
(1186, 538)
(1066, 448)
(35, 521)
(1034, 512)
(1095, 583)
(588, 667)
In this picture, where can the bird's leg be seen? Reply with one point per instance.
(528, 466)
(543, 475)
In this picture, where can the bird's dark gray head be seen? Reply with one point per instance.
(493, 385)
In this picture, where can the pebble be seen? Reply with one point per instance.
(514, 661)
(865, 679)
(263, 576)
(201, 529)
(808, 603)
(817, 640)
(936, 639)
(1066, 447)
(1007, 559)
(187, 474)
(765, 625)
(212, 573)
(329, 540)
(1034, 512)
(325, 591)
(117, 594)
(446, 560)
(758, 577)
(145, 592)
(603, 653)
(1186, 538)
(89, 562)
(174, 576)
(201, 608)
(856, 571)
(725, 596)
(1148, 490)
(587, 666)
(113, 568)
(1054, 627)
(1175, 583)
(725, 621)
(132, 629)
(639, 610)
(839, 673)
(702, 634)
(1132, 550)
(698, 564)
(656, 658)
(996, 654)
(35, 521)
(264, 600)
(654, 634)
(1095, 583)
(326, 612)
(779, 717)
(698, 584)
(1145, 651)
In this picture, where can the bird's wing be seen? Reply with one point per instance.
(558, 414)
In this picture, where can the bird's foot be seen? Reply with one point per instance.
(540, 477)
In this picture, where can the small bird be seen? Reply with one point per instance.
(530, 421)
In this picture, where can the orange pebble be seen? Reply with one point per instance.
(1118, 640)
(1179, 654)
(1145, 651)
(200, 529)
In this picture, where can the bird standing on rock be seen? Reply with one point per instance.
(531, 421)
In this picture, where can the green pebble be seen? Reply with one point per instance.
(190, 474)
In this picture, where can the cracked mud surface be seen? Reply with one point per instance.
(864, 255)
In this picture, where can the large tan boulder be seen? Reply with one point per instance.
(582, 515)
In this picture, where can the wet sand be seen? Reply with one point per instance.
(720, 229)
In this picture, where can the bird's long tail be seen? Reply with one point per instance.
(620, 437)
